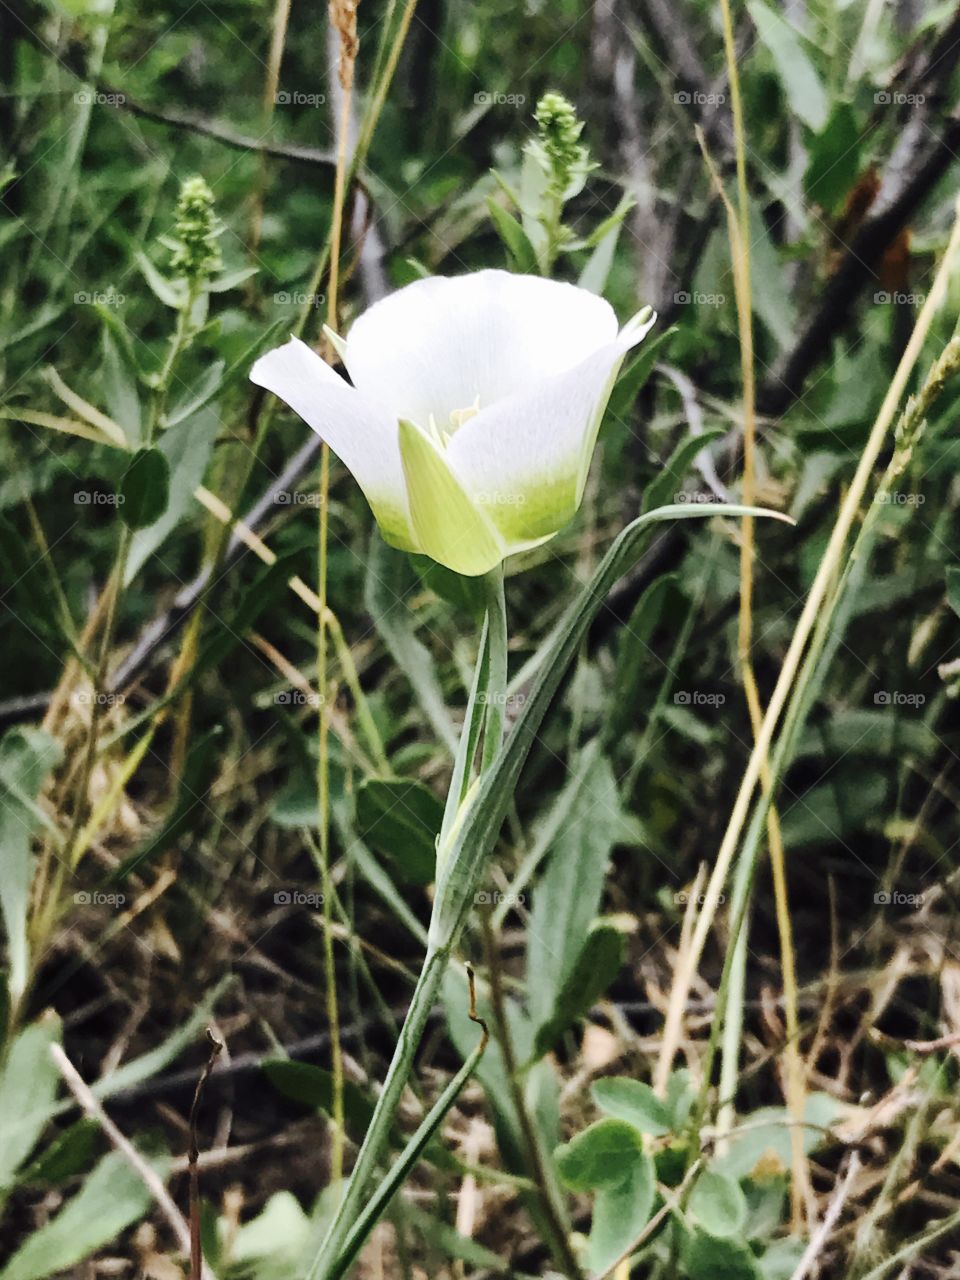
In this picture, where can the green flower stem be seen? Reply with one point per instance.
(496, 692)
(378, 1203)
(485, 711)
(472, 836)
(328, 1262)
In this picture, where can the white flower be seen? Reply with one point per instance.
(474, 410)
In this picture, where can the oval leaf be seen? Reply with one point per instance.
(144, 488)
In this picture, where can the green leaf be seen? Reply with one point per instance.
(953, 588)
(666, 486)
(187, 449)
(111, 1199)
(119, 381)
(271, 1246)
(834, 156)
(148, 1064)
(633, 376)
(26, 757)
(800, 79)
(313, 1086)
(28, 1090)
(144, 488)
(718, 1204)
(621, 1212)
(598, 963)
(171, 294)
(389, 580)
(70, 1153)
(597, 269)
(197, 396)
(706, 1257)
(400, 819)
(509, 230)
(634, 1102)
(568, 896)
(766, 1139)
(231, 279)
(465, 862)
(600, 1156)
(634, 655)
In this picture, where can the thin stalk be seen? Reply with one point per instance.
(739, 234)
(810, 615)
(496, 694)
(324, 1266)
(550, 1204)
(378, 1203)
(342, 19)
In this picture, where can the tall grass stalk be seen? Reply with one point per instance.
(815, 617)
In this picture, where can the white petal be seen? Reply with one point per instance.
(525, 460)
(436, 345)
(362, 435)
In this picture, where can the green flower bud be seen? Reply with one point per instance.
(196, 256)
(559, 137)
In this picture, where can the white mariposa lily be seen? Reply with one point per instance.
(474, 409)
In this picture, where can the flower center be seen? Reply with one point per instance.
(443, 435)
